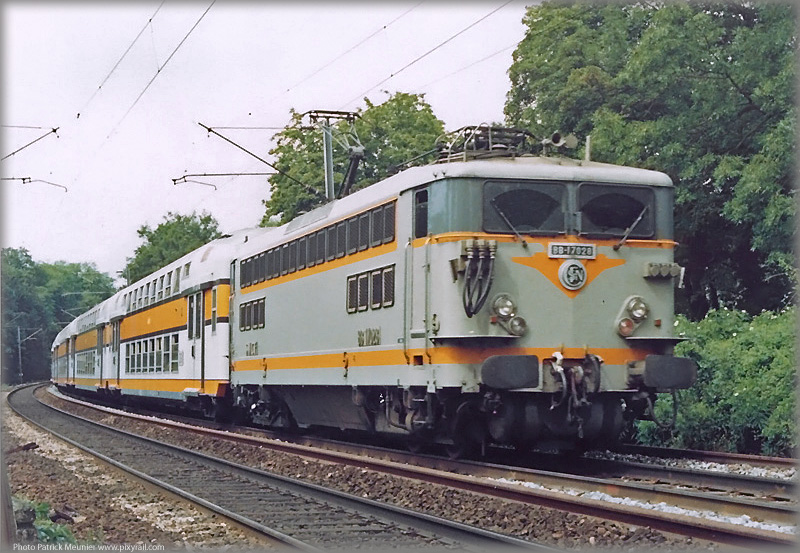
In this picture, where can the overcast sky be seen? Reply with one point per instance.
(243, 65)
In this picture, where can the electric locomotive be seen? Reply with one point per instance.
(489, 297)
(494, 296)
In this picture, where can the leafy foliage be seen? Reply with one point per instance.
(744, 398)
(39, 299)
(701, 91)
(392, 133)
(170, 240)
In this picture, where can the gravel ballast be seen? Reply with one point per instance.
(105, 504)
(553, 527)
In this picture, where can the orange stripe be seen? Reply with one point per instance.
(549, 267)
(316, 269)
(439, 356)
(85, 341)
(543, 241)
(161, 317)
(155, 384)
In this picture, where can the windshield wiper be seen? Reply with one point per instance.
(503, 215)
(629, 230)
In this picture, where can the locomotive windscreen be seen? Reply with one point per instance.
(527, 207)
(610, 210)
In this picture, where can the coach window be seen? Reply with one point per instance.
(388, 286)
(311, 245)
(214, 310)
(153, 292)
(341, 239)
(352, 235)
(262, 267)
(292, 256)
(363, 232)
(331, 249)
(388, 223)
(152, 360)
(190, 316)
(174, 360)
(274, 262)
(321, 246)
(186, 269)
(377, 226)
(302, 250)
(363, 292)
(352, 294)
(159, 353)
(142, 297)
(161, 287)
(177, 280)
(147, 294)
(377, 289)
(284, 259)
(168, 285)
(198, 315)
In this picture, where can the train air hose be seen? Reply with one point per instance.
(667, 425)
(478, 277)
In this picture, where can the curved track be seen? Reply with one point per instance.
(446, 472)
(301, 515)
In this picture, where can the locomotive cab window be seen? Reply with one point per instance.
(524, 207)
(608, 210)
(421, 213)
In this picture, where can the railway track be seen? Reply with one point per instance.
(582, 494)
(298, 514)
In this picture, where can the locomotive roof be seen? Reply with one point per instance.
(521, 167)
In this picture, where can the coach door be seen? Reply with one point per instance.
(72, 362)
(116, 364)
(101, 334)
(196, 337)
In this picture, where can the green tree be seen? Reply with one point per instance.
(176, 236)
(392, 133)
(24, 314)
(39, 299)
(745, 396)
(703, 92)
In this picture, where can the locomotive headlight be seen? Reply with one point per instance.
(637, 308)
(504, 306)
(517, 326)
(625, 327)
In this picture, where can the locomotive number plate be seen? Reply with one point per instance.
(579, 251)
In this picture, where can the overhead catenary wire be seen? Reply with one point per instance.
(343, 54)
(158, 72)
(474, 63)
(149, 22)
(262, 160)
(409, 64)
(48, 133)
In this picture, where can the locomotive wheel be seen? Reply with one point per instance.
(467, 431)
(415, 445)
(461, 448)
